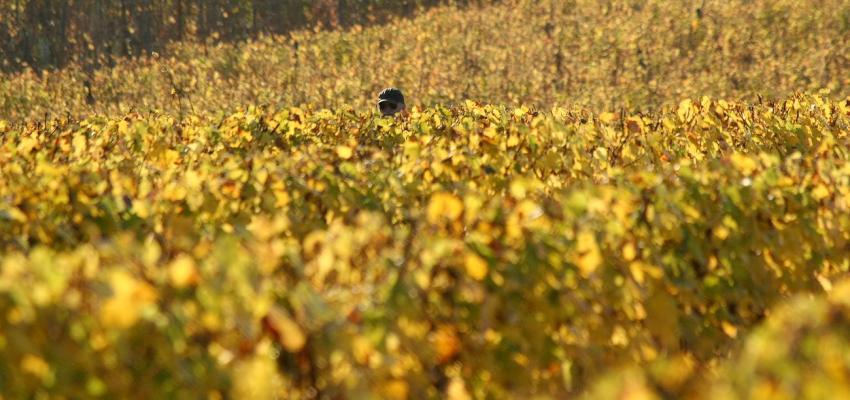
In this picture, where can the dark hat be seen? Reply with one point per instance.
(391, 94)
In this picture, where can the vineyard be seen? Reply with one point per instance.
(534, 53)
(168, 230)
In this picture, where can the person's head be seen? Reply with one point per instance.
(390, 101)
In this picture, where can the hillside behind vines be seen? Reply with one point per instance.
(608, 56)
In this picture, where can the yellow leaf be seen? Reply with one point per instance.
(588, 258)
(395, 389)
(721, 232)
(472, 205)
(729, 329)
(362, 349)
(685, 110)
(141, 208)
(182, 271)
(744, 164)
(619, 337)
(16, 214)
(193, 180)
(265, 228)
(457, 390)
(444, 205)
(518, 188)
(825, 283)
(174, 192)
(636, 268)
(35, 365)
(476, 267)
(629, 251)
(519, 112)
(607, 117)
(130, 297)
(170, 157)
(446, 343)
(820, 192)
(289, 333)
(79, 143)
(27, 144)
(151, 251)
(256, 377)
(344, 152)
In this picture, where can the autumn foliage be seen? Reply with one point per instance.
(478, 249)
(238, 221)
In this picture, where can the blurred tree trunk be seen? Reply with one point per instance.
(145, 23)
(203, 24)
(342, 13)
(126, 29)
(212, 17)
(180, 19)
(44, 32)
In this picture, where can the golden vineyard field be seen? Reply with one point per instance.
(467, 252)
(551, 220)
(605, 55)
